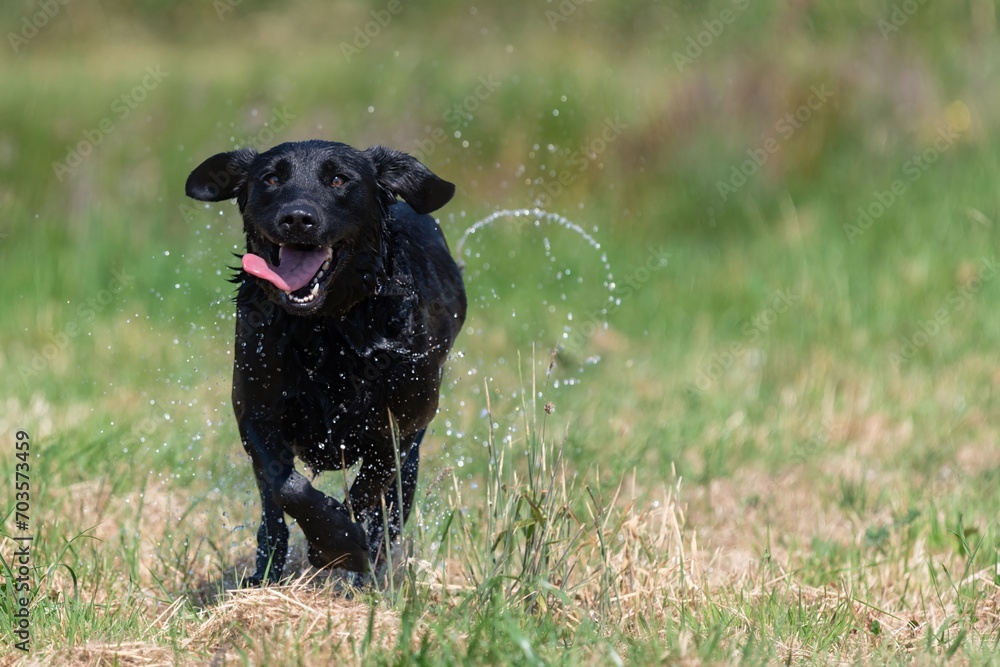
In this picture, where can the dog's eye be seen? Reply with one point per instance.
(337, 181)
(272, 179)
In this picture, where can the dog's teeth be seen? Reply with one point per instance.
(313, 285)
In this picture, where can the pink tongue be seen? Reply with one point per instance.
(295, 267)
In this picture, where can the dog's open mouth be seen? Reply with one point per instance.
(300, 271)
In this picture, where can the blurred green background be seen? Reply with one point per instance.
(820, 177)
(837, 158)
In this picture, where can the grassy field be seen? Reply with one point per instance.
(755, 425)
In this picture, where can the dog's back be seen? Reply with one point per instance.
(422, 255)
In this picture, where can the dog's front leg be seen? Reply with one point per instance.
(333, 538)
(374, 518)
(377, 483)
(272, 536)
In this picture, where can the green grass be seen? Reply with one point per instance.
(781, 448)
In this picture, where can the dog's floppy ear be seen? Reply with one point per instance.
(221, 176)
(404, 176)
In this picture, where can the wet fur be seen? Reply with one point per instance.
(321, 386)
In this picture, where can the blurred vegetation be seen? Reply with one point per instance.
(506, 100)
(147, 90)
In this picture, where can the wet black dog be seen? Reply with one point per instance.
(348, 304)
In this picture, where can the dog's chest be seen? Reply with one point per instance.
(328, 384)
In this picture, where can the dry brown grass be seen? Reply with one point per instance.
(638, 562)
(636, 565)
(655, 562)
(261, 625)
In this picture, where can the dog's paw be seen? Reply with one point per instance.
(252, 582)
(315, 559)
(335, 540)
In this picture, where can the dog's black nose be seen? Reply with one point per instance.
(298, 217)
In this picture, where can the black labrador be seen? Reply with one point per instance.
(348, 304)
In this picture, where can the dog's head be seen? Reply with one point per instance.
(314, 214)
